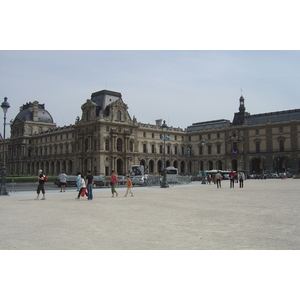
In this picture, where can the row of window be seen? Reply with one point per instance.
(281, 146)
(280, 130)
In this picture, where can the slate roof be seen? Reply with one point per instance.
(278, 116)
(26, 113)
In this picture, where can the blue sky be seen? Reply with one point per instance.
(182, 87)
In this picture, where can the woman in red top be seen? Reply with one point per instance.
(113, 183)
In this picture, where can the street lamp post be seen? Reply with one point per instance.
(189, 154)
(165, 138)
(202, 142)
(5, 106)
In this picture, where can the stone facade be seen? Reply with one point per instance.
(107, 138)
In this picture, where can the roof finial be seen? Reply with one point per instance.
(241, 92)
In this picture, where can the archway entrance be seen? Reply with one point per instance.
(120, 170)
(159, 167)
(219, 165)
(182, 167)
(256, 166)
(175, 164)
(151, 166)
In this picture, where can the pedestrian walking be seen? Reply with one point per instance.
(113, 183)
(231, 176)
(208, 179)
(89, 181)
(63, 181)
(41, 179)
(82, 187)
(218, 178)
(78, 181)
(129, 186)
(241, 179)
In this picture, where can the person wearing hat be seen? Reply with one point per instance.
(40, 187)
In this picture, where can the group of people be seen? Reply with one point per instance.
(88, 185)
(240, 177)
(84, 185)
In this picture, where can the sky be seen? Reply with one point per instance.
(179, 86)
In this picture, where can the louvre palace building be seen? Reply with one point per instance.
(107, 138)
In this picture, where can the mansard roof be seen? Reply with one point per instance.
(216, 124)
(273, 117)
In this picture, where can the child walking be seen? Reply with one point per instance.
(129, 186)
(82, 187)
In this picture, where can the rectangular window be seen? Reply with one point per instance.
(218, 149)
(209, 149)
(144, 148)
(175, 149)
(152, 148)
(281, 145)
(257, 147)
(168, 149)
(200, 150)
(106, 145)
(160, 149)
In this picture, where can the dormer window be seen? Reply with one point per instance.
(119, 116)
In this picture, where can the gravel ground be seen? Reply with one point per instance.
(262, 215)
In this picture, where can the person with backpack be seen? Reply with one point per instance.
(241, 179)
(231, 176)
(42, 179)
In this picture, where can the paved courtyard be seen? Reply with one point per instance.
(262, 215)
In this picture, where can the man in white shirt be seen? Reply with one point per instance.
(63, 181)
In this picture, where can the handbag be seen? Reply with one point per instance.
(83, 193)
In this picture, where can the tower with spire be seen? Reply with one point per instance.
(240, 117)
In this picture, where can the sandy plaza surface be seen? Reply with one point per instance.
(264, 215)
